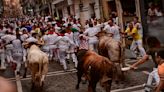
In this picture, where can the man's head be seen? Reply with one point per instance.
(110, 22)
(135, 19)
(130, 25)
(6, 86)
(160, 56)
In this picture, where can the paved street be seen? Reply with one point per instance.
(60, 27)
(66, 82)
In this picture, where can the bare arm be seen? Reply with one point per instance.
(160, 86)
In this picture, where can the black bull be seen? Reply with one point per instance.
(95, 68)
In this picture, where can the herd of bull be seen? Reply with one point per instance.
(103, 67)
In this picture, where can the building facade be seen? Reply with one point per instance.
(12, 8)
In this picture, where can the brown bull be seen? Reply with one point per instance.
(95, 68)
(110, 48)
(38, 65)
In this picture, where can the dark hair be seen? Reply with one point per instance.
(161, 53)
(63, 31)
(69, 25)
(111, 19)
(136, 17)
(90, 25)
(81, 32)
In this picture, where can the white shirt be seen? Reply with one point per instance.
(46, 40)
(31, 39)
(8, 38)
(63, 42)
(52, 38)
(76, 26)
(91, 31)
(114, 30)
(24, 37)
(69, 35)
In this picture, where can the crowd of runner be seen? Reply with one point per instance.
(60, 39)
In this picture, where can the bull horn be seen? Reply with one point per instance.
(125, 69)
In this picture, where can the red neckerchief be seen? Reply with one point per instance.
(61, 35)
(50, 32)
(69, 32)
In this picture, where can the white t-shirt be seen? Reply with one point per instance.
(114, 30)
(76, 26)
(8, 38)
(91, 31)
(69, 35)
(64, 42)
(31, 39)
(46, 39)
(52, 38)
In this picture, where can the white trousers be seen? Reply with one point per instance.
(152, 76)
(46, 49)
(24, 55)
(18, 60)
(76, 38)
(71, 54)
(2, 56)
(9, 55)
(51, 51)
(93, 41)
(56, 54)
(74, 58)
(62, 57)
(138, 44)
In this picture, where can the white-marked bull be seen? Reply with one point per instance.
(38, 64)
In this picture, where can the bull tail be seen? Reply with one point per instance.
(40, 68)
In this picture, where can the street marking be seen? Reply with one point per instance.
(18, 82)
(128, 89)
(130, 61)
(48, 74)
